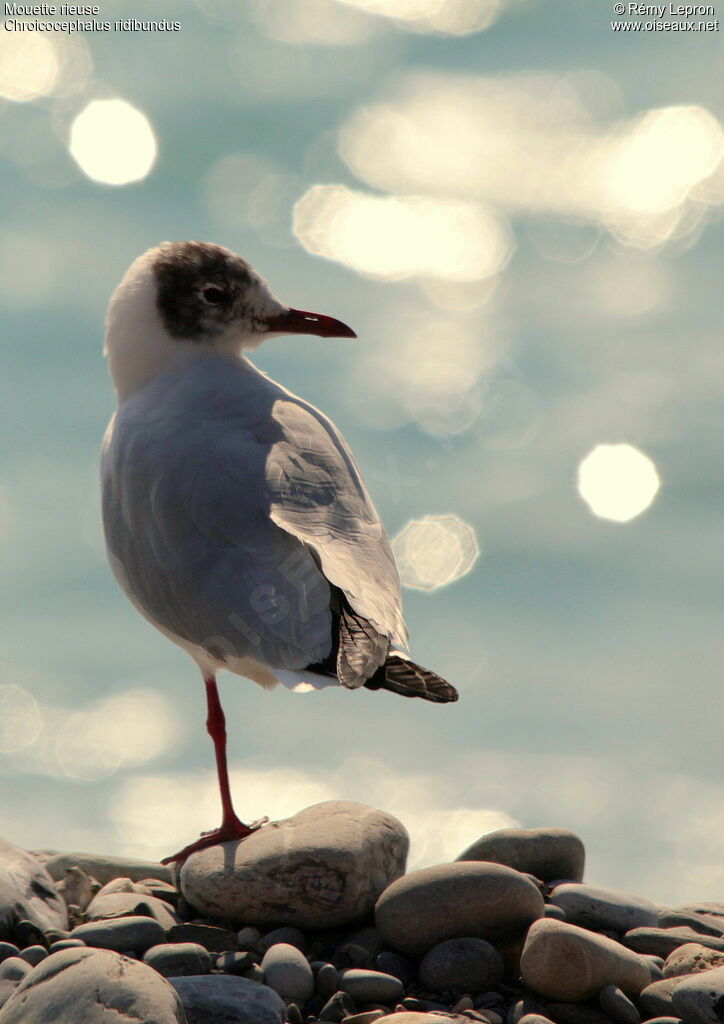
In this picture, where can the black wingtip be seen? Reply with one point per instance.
(398, 675)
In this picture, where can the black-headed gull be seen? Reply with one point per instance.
(236, 519)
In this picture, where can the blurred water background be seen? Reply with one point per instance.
(516, 209)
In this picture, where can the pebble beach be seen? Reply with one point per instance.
(315, 919)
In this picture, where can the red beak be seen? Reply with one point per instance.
(297, 321)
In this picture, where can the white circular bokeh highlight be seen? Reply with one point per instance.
(113, 142)
(617, 481)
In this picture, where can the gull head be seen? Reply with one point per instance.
(184, 299)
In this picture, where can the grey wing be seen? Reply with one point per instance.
(317, 494)
(186, 516)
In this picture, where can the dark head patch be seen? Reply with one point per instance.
(201, 288)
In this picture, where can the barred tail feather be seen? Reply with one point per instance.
(399, 675)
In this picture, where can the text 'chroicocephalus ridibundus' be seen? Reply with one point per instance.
(235, 516)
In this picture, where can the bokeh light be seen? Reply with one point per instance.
(29, 65)
(449, 17)
(20, 719)
(122, 730)
(530, 143)
(402, 236)
(435, 551)
(313, 22)
(617, 481)
(113, 142)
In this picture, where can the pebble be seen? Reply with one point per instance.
(123, 904)
(534, 1018)
(463, 899)
(699, 998)
(222, 997)
(324, 867)
(8, 949)
(287, 971)
(123, 934)
(601, 909)
(103, 869)
(28, 891)
(369, 1017)
(565, 962)
(234, 963)
(326, 981)
(248, 938)
(618, 1006)
(216, 940)
(663, 941)
(546, 853)
(59, 944)
(555, 912)
(12, 972)
(339, 1006)
(178, 959)
(399, 966)
(576, 1013)
(707, 924)
(294, 1014)
(366, 986)
(523, 1008)
(656, 999)
(117, 885)
(34, 954)
(461, 965)
(76, 888)
(691, 958)
(254, 973)
(414, 1017)
(95, 984)
(290, 936)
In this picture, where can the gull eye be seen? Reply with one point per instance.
(213, 295)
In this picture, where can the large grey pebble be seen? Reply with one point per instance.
(27, 891)
(618, 1005)
(546, 853)
(699, 998)
(601, 909)
(123, 934)
(287, 971)
(370, 986)
(178, 959)
(656, 999)
(565, 962)
(468, 898)
(225, 999)
(87, 986)
(129, 904)
(461, 965)
(322, 868)
(692, 958)
(105, 868)
(663, 941)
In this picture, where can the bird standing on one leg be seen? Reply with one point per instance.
(235, 516)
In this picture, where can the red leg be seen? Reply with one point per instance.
(231, 827)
